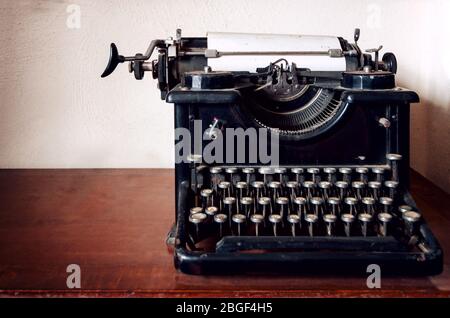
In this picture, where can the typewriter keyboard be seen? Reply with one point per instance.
(300, 201)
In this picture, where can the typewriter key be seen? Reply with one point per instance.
(313, 172)
(228, 206)
(301, 203)
(298, 174)
(248, 173)
(215, 176)
(348, 219)
(265, 171)
(293, 219)
(275, 219)
(231, 171)
(411, 219)
(365, 220)
(292, 186)
(375, 186)
(394, 158)
(246, 205)
(196, 209)
(317, 202)
(242, 186)
(196, 219)
(384, 218)
(311, 219)
(206, 194)
(369, 203)
(346, 174)
(283, 203)
(281, 171)
(239, 219)
(259, 188)
(220, 219)
(379, 172)
(325, 186)
(351, 202)
(404, 208)
(211, 210)
(309, 185)
(330, 220)
(257, 219)
(265, 203)
(330, 171)
(225, 186)
(363, 171)
(275, 186)
(334, 203)
(342, 186)
(358, 186)
(391, 185)
(386, 202)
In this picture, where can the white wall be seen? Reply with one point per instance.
(56, 112)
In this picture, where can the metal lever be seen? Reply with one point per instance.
(115, 58)
(376, 51)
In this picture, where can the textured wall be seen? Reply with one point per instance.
(56, 112)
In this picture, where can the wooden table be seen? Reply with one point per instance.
(113, 223)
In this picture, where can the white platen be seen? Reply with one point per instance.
(246, 42)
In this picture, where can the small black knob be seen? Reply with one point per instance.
(114, 60)
(390, 62)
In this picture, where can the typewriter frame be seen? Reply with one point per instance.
(340, 254)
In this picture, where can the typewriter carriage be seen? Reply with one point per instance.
(323, 119)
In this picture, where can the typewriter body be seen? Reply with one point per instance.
(336, 197)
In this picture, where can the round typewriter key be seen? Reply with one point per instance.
(351, 202)
(239, 219)
(265, 203)
(301, 203)
(283, 203)
(257, 219)
(394, 158)
(309, 185)
(363, 171)
(265, 171)
(298, 174)
(311, 219)
(248, 171)
(391, 185)
(246, 203)
(330, 171)
(325, 186)
(334, 203)
(281, 171)
(386, 202)
(196, 219)
(330, 220)
(194, 158)
(292, 186)
(348, 219)
(342, 186)
(365, 219)
(275, 186)
(259, 188)
(242, 186)
(375, 186)
(358, 186)
(317, 202)
(379, 172)
(404, 208)
(313, 172)
(211, 210)
(275, 219)
(225, 186)
(215, 170)
(196, 209)
(369, 202)
(228, 205)
(215, 176)
(346, 174)
(220, 219)
(411, 219)
(384, 219)
(293, 219)
(231, 171)
(206, 194)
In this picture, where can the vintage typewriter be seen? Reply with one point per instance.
(337, 197)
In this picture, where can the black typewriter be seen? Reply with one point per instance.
(332, 195)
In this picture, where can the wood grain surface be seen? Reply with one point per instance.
(113, 223)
